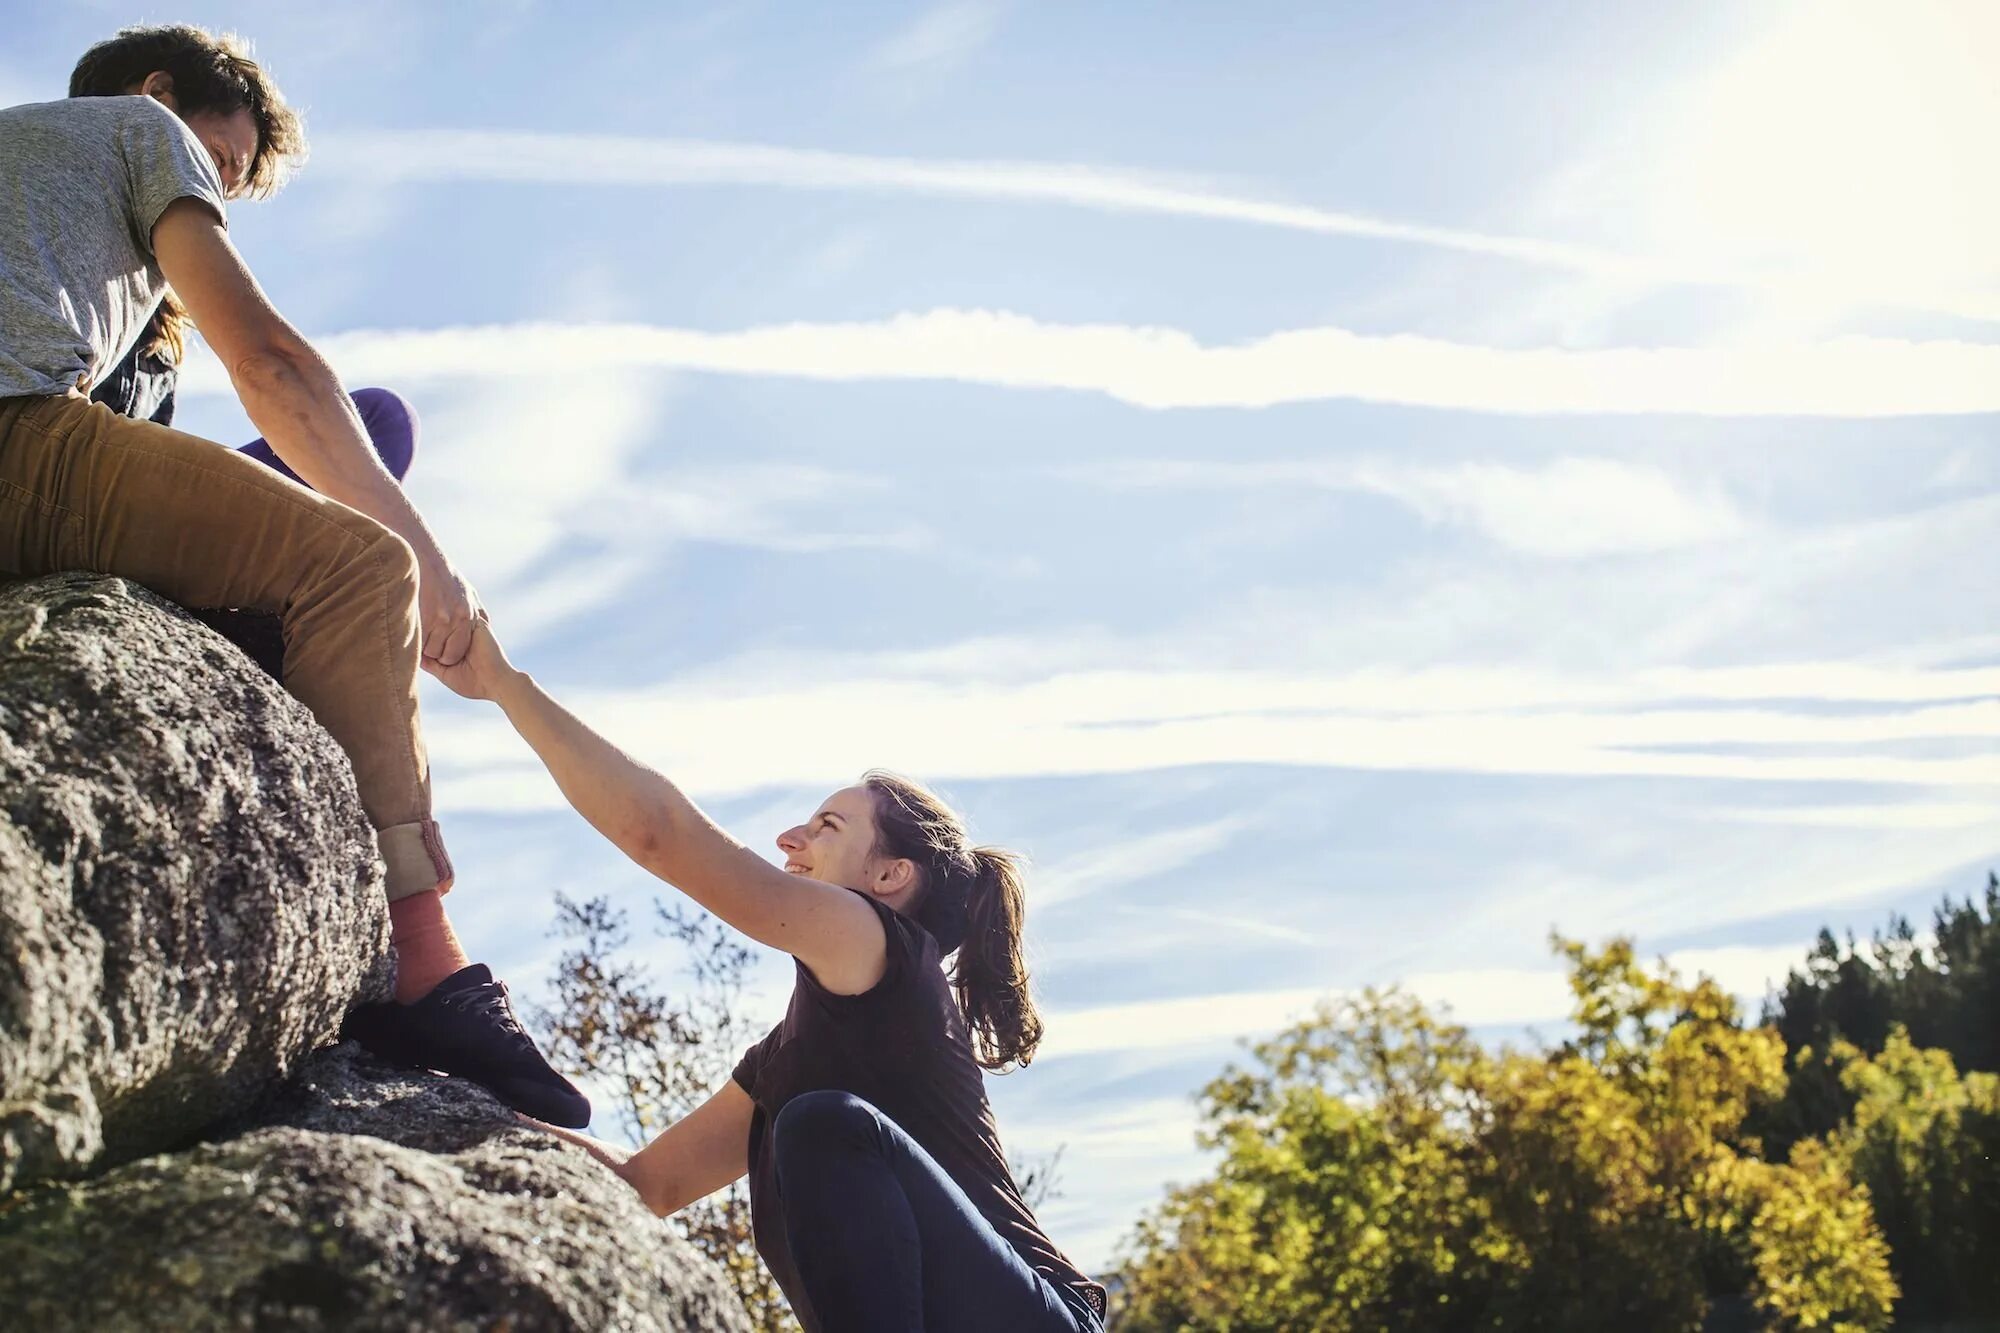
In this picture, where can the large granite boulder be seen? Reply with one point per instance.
(372, 1199)
(189, 901)
(189, 893)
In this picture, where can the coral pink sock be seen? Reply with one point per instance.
(427, 951)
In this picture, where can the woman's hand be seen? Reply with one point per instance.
(617, 1159)
(484, 669)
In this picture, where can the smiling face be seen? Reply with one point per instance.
(837, 846)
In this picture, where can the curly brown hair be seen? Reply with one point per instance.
(212, 73)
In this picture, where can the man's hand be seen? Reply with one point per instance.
(447, 610)
(481, 671)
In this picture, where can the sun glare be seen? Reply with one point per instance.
(1852, 144)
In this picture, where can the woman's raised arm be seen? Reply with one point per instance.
(647, 817)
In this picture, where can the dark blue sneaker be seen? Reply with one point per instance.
(466, 1027)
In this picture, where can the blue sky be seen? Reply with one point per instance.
(1345, 488)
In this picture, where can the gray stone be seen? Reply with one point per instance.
(189, 892)
(370, 1199)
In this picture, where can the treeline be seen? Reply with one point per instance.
(1836, 1166)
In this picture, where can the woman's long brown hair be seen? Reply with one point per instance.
(974, 903)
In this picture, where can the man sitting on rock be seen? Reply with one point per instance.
(104, 203)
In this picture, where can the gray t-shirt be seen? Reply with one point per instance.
(82, 182)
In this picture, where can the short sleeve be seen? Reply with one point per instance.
(165, 162)
(752, 1064)
(903, 939)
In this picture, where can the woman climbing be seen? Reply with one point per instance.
(880, 1196)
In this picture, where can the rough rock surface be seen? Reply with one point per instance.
(371, 1199)
(189, 901)
(189, 893)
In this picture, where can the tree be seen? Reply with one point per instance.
(1944, 994)
(1380, 1170)
(661, 1058)
(1925, 1140)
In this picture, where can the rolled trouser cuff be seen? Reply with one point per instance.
(415, 858)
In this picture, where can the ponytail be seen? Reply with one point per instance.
(991, 975)
(974, 904)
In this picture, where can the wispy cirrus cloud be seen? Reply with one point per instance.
(1167, 368)
(1136, 721)
(1477, 997)
(1132, 859)
(938, 40)
(515, 519)
(1905, 815)
(528, 157)
(1571, 507)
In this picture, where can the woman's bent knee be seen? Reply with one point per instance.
(823, 1117)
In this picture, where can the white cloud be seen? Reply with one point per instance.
(1135, 721)
(384, 157)
(1477, 997)
(1129, 860)
(1168, 368)
(510, 471)
(1231, 924)
(1184, 1023)
(754, 505)
(1572, 507)
(513, 470)
(940, 39)
(1649, 885)
(1902, 815)
(1568, 508)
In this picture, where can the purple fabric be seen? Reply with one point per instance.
(391, 424)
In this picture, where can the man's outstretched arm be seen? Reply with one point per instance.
(294, 398)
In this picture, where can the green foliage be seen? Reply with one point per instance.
(1379, 1170)
(1945, 994)
(1925, 1141)
(1801, 1215)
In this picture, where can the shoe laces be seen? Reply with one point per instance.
(489, 1002)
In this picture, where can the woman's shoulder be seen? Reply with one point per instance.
(913, 986)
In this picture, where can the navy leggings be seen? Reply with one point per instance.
(392, 427)
(886, 1243)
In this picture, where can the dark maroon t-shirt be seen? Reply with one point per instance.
(903, 1048)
